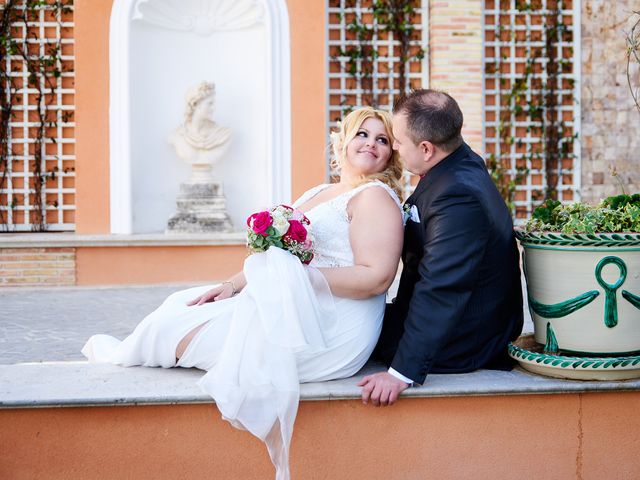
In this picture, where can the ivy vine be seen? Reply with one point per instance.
(394, 19)
(531, 98)
(633, 58)
(43, 70)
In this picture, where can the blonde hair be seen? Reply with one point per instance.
(347, 130)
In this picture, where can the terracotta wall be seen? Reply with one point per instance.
(308, 92)
(551, 437)
(92, 115)
(156, 265)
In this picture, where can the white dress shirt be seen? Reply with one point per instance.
(399, 376)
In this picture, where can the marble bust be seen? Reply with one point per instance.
(200, 141)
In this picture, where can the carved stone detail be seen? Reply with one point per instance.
(200, 17)
(202, 208)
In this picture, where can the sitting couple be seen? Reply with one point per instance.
(278, 322)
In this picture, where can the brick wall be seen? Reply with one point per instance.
(609, 133)
(455, 39)
(37, 267)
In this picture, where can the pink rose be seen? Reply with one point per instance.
(259, 222)
(298, 215)
(296, 232)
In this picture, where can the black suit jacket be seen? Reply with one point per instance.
(459, 301)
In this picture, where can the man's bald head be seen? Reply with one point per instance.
(433, 116)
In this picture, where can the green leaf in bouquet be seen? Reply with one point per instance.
(271, 231)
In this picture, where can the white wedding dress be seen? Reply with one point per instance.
(283, 328)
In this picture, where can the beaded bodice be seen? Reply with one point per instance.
(330, 225)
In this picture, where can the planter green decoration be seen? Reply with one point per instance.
(587, 291)
(531, 357)
(583, 285)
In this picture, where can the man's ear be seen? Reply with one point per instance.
(428, 150)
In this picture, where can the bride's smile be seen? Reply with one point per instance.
(369, 150)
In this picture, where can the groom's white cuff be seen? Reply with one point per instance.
(400, 376)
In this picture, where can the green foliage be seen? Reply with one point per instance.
(505, 182)
(544, 212)
(260, 243)
(619, 201)
(615, 214)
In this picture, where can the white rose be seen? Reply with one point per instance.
(281, 224)
(283, 211)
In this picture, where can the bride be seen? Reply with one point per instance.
(278, 322)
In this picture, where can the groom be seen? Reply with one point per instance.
(459, 302)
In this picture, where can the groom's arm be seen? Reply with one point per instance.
(456, 235)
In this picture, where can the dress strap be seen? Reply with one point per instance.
(374, 183)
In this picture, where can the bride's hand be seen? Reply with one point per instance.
(217, 293)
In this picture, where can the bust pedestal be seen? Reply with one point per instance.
(202, 208)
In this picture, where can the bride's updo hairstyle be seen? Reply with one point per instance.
(347, 130)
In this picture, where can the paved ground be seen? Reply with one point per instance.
(52, 324)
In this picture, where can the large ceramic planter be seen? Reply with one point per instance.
(584, 291)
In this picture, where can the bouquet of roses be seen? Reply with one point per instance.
(283, 227)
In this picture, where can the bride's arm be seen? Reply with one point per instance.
(376, 240)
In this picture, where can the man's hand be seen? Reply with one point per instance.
(381, 388)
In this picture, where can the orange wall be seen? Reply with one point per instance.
(92, 115)
(307, 23)
(552, 437)
(308, 93)
(149, 265)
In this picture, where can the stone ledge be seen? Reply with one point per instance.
(76, 384)
(60, 240)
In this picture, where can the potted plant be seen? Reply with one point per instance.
(582, 268)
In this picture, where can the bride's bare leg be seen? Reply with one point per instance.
(184, 343)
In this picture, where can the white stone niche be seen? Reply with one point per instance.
(158, 49)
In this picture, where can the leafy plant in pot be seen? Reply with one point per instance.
(582, 268)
